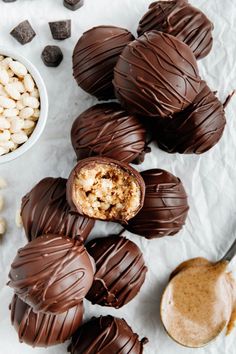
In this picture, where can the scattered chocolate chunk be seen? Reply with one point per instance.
(52, 55)
(8, 0)
(73, 4)
(23, 33)
(60, 29)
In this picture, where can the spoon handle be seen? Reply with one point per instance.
(230, 253)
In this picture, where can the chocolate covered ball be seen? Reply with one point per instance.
(52, 273)
(106, 335)
(105, 189)
(40, 329)
(120, 271)
(165, 206)
(156, 75)
(107, 130)
(196, 129)
(95, 56)
(178, 18)
(44, 210)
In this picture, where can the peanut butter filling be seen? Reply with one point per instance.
(106, 192)
(199, 302)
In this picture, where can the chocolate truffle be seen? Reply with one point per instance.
(95, 56)
(165, 206)
(120, 271)
(107, 130)
(156, 75)
(181, 20)
(196, 129)
(40, 329)
(106, 335)
(105, 189)
(44, 210)
(52, 273)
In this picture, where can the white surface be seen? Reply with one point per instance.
(209, 179)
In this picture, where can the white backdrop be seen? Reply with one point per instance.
(210, 179)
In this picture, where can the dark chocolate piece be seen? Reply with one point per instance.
(180, 19)
(52, 273)
(60, 29)
(106, 335)
(52, 56)
(156, 75)
(23, 33)
(95, 56)
(165, 206)
(44, 210)
(73, 4)
(8, 0)
(196, 129)
(120, 271)
(40, 329)
(108, 130)
(105, 189)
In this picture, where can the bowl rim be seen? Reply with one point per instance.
(43, 105)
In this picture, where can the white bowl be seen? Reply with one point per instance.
(40, 125)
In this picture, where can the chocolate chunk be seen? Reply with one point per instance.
(40, 329)
(107, 130)
(105, 189)
(8, 0)
(52, 273)
(95, 56)
(44, 210)
(106, 335)
(52, 55)
(23, 33)
(165, 206)
(151, 83)
(60, 29)
(73, 4)
(120, 271)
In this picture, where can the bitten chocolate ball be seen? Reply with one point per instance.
(107, 130)
(44, 210)
(95, 56)
(105, 189)
(165, 206)
(52, 273)
(106, 335)
(196, 129)
(120, 271)
(181, 20)
(40, 329)
(156, 75)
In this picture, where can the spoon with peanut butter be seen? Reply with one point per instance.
(199, 301)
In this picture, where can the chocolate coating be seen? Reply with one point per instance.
(95, 56)
(52, 273)
(44, 210)
(106, 335)
(40, 329)
(120, 271)
(196, 129)
(107, 130)
(165, 206)
(156, 75)
(181, 20)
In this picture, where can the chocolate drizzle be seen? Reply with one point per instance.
(107, 130)
(44, 210)
(178, 18)
(156, 75)
(165, 206)
(40, 329)
(95, 56)
(195, 130)
(106, 335)
(52, 273)
(120, 271)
